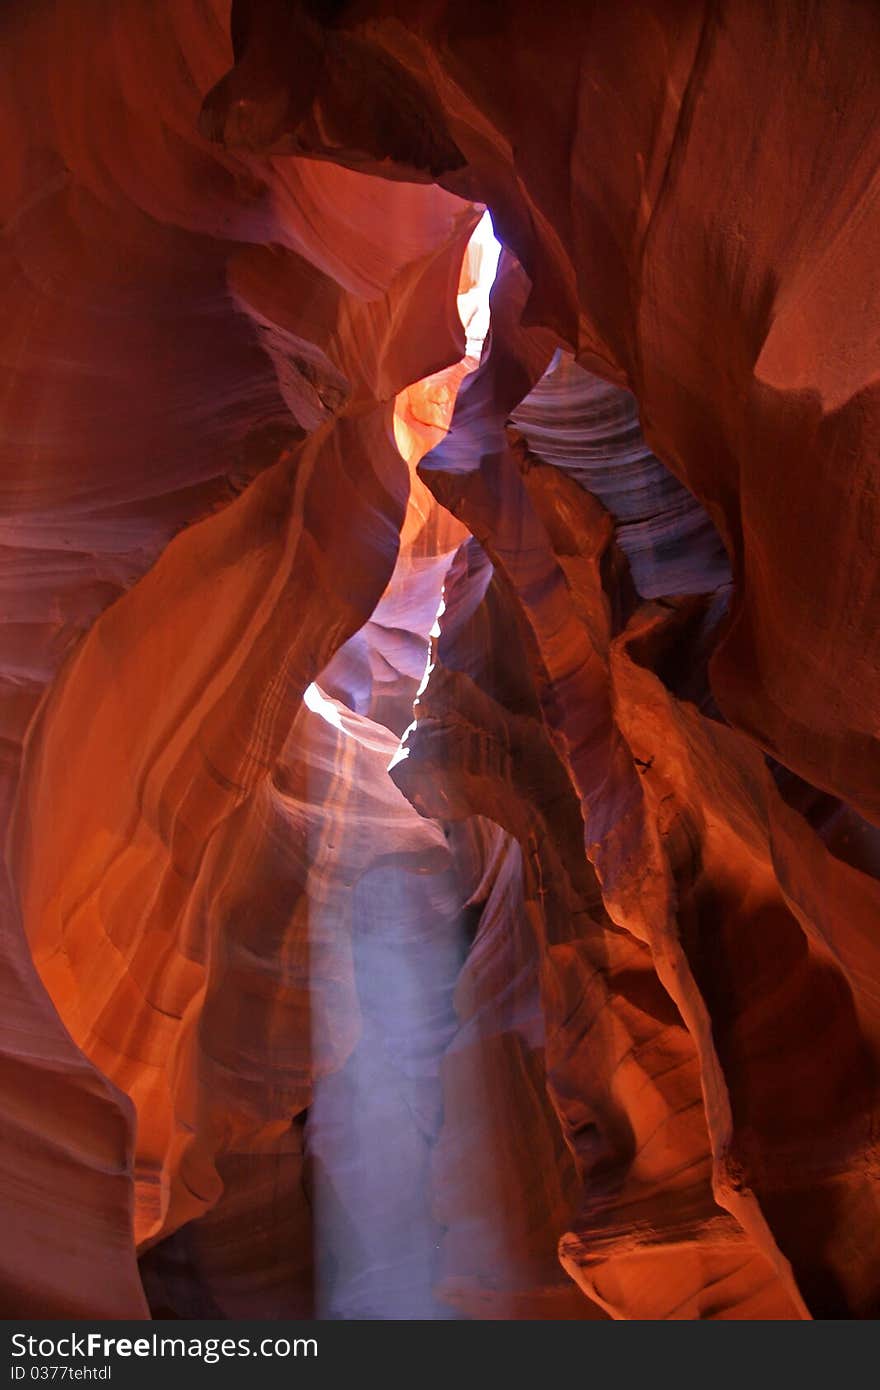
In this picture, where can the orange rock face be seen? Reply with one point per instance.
(440, 778)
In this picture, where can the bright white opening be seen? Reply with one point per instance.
(319, 704)
(482, 265)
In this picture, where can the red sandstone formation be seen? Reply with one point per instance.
(440, 786)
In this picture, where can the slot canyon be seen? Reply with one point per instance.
(440, 659)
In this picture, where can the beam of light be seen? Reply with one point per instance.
(388, 935)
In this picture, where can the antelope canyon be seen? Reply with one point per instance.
(440, 659)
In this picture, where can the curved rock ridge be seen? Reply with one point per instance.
(440, 776)
(756, 976)
(589, 429)
(171, 336)
(203, 1003)
(650, 1228)
(256, 588)
(699, 248)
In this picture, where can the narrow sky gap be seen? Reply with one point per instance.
(479, 267)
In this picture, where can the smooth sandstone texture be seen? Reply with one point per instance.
(440, 784)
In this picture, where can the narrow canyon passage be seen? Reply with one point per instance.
(393, 879)
(419, 1163)
(439, 742)
(405, 1137)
